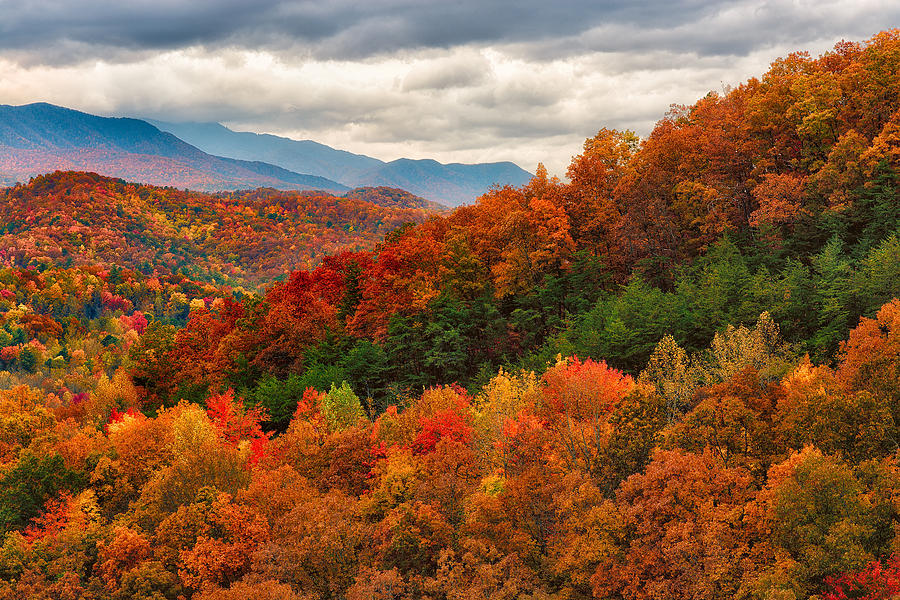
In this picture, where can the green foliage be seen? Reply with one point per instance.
(624, 329)
(280, 396)
(341, 407)
(822, 519)
(352, 291)
(28, 360)
(833, 276)
(875, 213)
(714, 295)
(322, 376)
(448, 344)
(30, 483)
(878, 277)
(367, 369)
(636, 423)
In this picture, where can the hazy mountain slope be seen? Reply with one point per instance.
(37, 138)
(450, 184)
(302, 156)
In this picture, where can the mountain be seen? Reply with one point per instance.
(302, 156)
(451, 184)
(37, 138)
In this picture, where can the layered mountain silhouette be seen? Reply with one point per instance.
(40, 138)
(450, 184)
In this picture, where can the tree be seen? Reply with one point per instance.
(223, 555)
(682, 535)
(341, 407)
(29, 483)
(366, 366)
(816, 520)
(279, 398)
(674, 375)
(590, 198)
(871, 356)
(734, 421)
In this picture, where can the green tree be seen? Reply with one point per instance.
(32, 480)
(28, 360)
(833, 274)
(366, 366)
(341, 407)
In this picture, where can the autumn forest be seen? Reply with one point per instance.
(673, 375)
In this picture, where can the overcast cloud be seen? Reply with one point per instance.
(465, 81)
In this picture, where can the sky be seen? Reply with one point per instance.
(454, 80)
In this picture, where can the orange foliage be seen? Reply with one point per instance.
(872, 354)
(584, 390)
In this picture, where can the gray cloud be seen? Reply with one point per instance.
(56, 31)
(455, 80)
(467, 69)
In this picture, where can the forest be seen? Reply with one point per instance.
(674, 375)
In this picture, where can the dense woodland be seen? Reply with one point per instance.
(238, 239)
(675, 375)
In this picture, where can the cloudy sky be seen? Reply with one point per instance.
(455, 80)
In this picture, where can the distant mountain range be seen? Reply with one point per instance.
(39, 138)
(451, 184)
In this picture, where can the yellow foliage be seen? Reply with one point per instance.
(118, 392)
(500, 400)
(191, 429)
(22, 419)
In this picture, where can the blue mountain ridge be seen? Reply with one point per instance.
(41, 137)
(450, 184)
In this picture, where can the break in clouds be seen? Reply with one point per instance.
(456, 81)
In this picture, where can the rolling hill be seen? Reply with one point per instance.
(239, 238)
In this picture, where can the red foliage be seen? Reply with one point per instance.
(236, 423)
(878, 581)
(444, 425)
(117, 417)
(54, 519)
(10, 353)
(522, 440)
(114, 302)
(403, 280)
(136, 321)
(308, 408)
(584, 389)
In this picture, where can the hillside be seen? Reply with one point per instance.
(392, 197)
(450, 184)
(674, 375)
(41, 138)
(242, 238)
